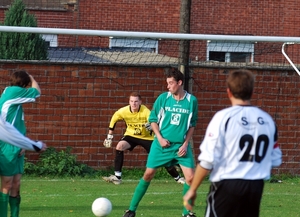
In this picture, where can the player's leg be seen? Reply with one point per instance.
(146, 144)
(140, 191)
(188, 173)
(250, 200)
(187, 165)
(156, 159)
(3, 204)
(175, 174)
(122, 145)
(234, 198)
(6, 184)
(15, 198)
(8, 168)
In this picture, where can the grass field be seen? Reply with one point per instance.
(73, 197)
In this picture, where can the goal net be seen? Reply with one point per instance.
(164, 49)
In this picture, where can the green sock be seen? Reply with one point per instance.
(186, 187)
(139, 192)
(14, 203)
(3, 204)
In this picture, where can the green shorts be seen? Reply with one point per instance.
(162, 157)
(10, 161)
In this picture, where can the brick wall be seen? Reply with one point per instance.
(264, 18)
(78, 100)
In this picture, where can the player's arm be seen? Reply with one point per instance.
(117, 116)
(276, 153)
(9, 134)
(162, 141)
(190, 132)
(34, 84)
(108, 141)
(183, 148)
(190, 196)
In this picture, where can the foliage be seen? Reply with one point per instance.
(21, 46)
(53, 163)
(58, 164)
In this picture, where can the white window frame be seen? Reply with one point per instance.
(230, 47)
(52, 39)
(133, 43)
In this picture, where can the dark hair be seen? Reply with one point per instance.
(135, 94)
(176, 74)
(20, 78)
(241, 83)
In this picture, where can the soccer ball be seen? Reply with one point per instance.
(101, 207)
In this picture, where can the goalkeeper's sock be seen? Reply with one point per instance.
(118, 174)
(177, 178)
(173, 172)
(119, 158)
(139, 192)
(14, 203)
(186, 187)
(3, 204)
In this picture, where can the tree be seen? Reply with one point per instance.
(21, 46)
(184, 45)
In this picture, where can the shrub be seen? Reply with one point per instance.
(58, 164)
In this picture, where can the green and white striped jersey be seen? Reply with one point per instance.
(174, 117)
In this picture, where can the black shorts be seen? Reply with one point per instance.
(234, 198)
(133, 142)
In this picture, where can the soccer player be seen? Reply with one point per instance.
(173, 119)
(12, 157)
(239, 150)
(11, 135)
(138, 132)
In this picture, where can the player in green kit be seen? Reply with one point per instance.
(173, 119)
(12, 157)
(138, 133)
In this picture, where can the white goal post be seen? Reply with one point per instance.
(156, 35)
(215, 48)
(287, 57)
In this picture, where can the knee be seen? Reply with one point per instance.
(189, 179)
(6, 187)
(148, 175)
(121, 146)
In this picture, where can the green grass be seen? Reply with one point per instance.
(73, 197)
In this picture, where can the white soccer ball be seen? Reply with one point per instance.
(101, 207)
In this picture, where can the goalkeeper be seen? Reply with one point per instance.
(138, 132)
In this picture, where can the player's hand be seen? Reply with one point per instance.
(164, 142)
(148, 126)
(43, 148)
(182, 151)
(22, 152)
(189, 200)
(108, 141)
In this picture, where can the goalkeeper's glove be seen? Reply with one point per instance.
(108, 141)
(148, 126)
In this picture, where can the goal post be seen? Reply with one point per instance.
(162, 49)
(287, 57)
(154, 35)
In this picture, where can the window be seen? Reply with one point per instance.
(230, 51)
(140, 44)
(51, 40)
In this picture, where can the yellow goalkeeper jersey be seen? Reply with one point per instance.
(135, 122)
